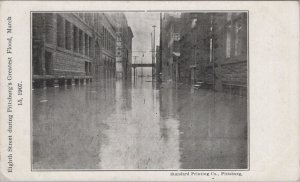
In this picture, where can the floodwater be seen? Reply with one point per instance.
(117, 125)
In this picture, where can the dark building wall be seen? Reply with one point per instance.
(213, 49)
(231, 50)
(73, 45)
(129, 49)
(61, 45)
(117, 44)
(108, 46)
(123, 48)
(194, 46)
(166, 62)
(157, 63)
(170, 45)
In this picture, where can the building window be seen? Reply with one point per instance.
(75, 39)
(105, 37)
(108, 40)
(110, 43)
(60, 31)
(35, 21)
(90, 46)
(237, 43)
(90, 68)
(49, 27)
(229, 15)
(81, 15)
(176, 36)
(68, 35)
(81, 41)
(91, 19)
(86, 67)
(48, 62)
(86, 38)
(85, 18)
(228, 43)
(210, 50)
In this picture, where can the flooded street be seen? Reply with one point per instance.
(138, 125)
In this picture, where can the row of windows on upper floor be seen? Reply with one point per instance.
(82, 42)
(235, 37)
(86, 17)
(109, 42)
(94, 20)
(70, 37)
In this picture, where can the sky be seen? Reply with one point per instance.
(141, 25)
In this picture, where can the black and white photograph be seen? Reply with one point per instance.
(139, 90)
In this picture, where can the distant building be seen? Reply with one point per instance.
(129, 47)
(170, 47)
(123, 45)
(157, 63)
(106, 60)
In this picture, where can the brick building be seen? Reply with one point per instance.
(157, 63)
(60, 49)
(123, 45)
(72, 48)
(213, 50)
(194, 46)
(170, 47)
(107, 58)
(230, 51)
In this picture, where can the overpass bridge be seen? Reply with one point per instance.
(135, 65)
(142, 65)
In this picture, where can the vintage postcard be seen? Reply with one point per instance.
(149, 91)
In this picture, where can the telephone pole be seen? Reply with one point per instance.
(160, 50)
(153, 51)
(134, 67)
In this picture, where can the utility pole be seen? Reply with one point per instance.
(142, 66)
(134, 67)
(160, 51)
(153, 51)
(212, 48)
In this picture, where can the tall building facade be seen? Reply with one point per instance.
(107, 58)
(230, 46)
(62, 47)
(76, 47)
(123, 45)
(157, 63)
(194, 46)
(210, 49)
(170, 47)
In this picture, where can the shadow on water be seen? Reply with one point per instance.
(115, 124)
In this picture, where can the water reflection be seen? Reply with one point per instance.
(140, 125)
(213, 131)
(134, 138)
